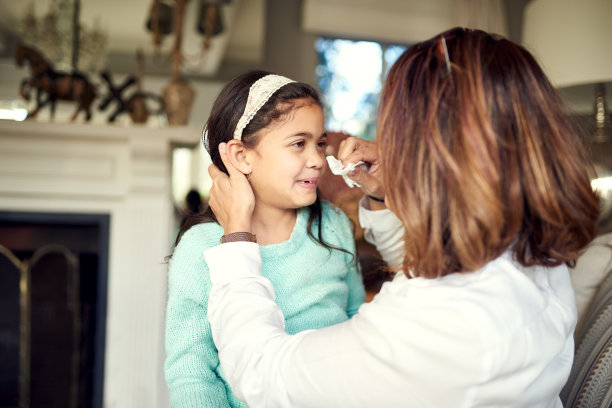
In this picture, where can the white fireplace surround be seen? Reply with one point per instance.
(123, 172)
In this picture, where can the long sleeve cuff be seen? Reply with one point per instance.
(233, 260)
(385, 231)
(377, 220)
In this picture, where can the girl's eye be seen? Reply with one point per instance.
(298, 144)
(322, 144)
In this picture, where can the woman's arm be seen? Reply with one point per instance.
(385, 231)
(383, 228)
(265, 366)
(387, 355)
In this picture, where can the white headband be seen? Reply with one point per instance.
(259, 93)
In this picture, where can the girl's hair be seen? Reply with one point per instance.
(487, 158)
(227, 110)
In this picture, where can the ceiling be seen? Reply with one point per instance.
(124, 22)
(243, 40)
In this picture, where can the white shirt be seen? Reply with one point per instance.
(497, 337)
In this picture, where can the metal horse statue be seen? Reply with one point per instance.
(56, 85)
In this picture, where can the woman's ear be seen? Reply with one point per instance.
(237, 156)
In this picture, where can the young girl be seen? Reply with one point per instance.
(273, 132)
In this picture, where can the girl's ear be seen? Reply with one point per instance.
(237, 156)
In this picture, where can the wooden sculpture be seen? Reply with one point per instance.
(115, 93)
(55, 85)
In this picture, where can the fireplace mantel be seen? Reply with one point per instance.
(123, 172)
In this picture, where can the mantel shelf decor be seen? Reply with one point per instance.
(166, 17)
(178, 95)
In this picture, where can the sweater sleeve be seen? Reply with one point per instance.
(191, 356)
(354, 281)
(343, 227)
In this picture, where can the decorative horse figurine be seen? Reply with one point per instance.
(56, 84)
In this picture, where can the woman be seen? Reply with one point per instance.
(490, 187)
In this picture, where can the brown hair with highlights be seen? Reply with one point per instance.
(486, 158)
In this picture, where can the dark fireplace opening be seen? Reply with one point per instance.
(53, 295)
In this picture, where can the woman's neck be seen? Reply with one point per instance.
(273, 225)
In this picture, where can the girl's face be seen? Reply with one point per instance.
(289, 159)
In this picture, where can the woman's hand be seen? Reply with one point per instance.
(353, 150)
(231, 197)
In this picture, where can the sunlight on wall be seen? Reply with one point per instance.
(181, 174)
(189, 171)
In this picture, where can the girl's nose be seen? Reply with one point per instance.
(315, 159)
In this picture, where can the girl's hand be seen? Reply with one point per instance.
(231, 197)
(353, 150)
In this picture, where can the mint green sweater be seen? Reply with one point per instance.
(315, 287)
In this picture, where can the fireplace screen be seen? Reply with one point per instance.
(52, 320)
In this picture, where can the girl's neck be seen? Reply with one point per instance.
(273, 225)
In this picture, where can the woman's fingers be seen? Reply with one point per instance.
(215, 202)
(349, 152)
(370, 184)
(353, 150)
(215, 172)
(233, 171)
(347, 146)
(231, 197)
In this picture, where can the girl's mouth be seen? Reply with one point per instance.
(309, 183)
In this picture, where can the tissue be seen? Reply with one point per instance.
(336, 167)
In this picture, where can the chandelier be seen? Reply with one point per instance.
(69, 44)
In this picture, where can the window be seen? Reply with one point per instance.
(350, 75)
